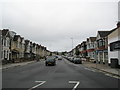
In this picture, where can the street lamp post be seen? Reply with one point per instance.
(72, 45)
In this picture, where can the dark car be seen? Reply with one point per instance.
(77, 61)
(50, 61)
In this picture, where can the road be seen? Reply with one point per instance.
(64, 75)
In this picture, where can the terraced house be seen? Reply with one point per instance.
(114, 47)
(16, 48)
(91, 45)
(102, 46)
(5, 45)
(31, 54)
(43, 51)
(83, 50)
(48, 52)
(34, 50)
(12, 34)
(38, 51)
(22, 46)
(27, 50)
(0, 46)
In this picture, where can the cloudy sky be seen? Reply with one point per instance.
(52, 23)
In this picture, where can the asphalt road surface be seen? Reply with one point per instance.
(64, 75)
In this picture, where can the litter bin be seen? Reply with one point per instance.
(114, 62)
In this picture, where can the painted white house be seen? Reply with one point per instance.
(114, 45)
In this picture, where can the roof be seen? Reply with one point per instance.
(5, 32)
(22, 37)
(83, 43)
(104, 33)
(16, 37)
(27, 41)
(34, 44)
(93, 39)
(12, 34)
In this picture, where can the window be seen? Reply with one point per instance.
(115, 46)
(4, 54)
(5, 42)
(2, 42)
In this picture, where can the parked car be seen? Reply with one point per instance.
(59, 58)
(50, 61)
(71, 59)
(77, 61)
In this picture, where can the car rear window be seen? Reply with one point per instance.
(50, 59)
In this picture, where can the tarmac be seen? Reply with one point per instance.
(101, 67)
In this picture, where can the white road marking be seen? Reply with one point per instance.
(76, 82)
(41, 82)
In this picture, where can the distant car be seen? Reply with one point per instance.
(77, 61)
(59, 58)
(50, 61)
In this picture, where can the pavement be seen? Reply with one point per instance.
(6, 66)
(64, 75)
(10, 65)
(103, 67)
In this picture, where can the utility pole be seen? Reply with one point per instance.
(72, 45)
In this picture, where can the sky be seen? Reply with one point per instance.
(52, 23)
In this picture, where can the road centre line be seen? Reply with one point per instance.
(41, 82)
(77, 83)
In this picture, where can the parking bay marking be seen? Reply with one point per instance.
(76, 82)
(40, 83)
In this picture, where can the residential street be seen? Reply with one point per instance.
(60, 44)
(64, 75)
